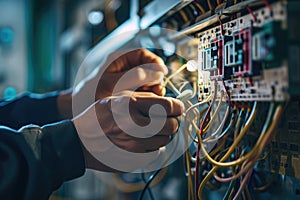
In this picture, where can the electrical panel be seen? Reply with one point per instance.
(250, 54)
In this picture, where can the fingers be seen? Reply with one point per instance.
(121, 61)
(172, 107)
(140, 145)
(170, 126)
(134, 79)
(156, 89)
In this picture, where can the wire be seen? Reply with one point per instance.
(230, 187)
(152, 176)
(257, 150)
(266, 186)
(200, 7)
(199, 134)
(147, 185)
(233, 146)
(209, 5)
(221, 25)
(167, 80)
(184, 16)
(213, 137)
(213, 116)
(227, 92)
(194, 89)
(228, 153)
(190, 182)
(267, 138)
(267, 5)
(251, 13)
(148, 188)
(134, 187)
(198, 104)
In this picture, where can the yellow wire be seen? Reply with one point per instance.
(184, 16)
(266, 139)
(228, 153)
(200, 7)
(241, 159)
(173, 74)
(209, 5)
(256, 151)
(214, 115)
(190, 182)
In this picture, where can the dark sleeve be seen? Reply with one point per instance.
(36, 161)
(29, 108)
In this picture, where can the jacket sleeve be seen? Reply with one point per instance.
(36, 160)
(29, 108)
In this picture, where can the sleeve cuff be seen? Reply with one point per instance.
(62, 137)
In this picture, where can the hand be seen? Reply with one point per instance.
(101, 84)
(109, 111)
(147, 69)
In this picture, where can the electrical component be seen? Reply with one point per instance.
(248, 55)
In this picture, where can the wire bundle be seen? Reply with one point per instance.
(231, 151)
(218, 128)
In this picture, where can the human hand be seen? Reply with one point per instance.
(147, 72)
(102, 134)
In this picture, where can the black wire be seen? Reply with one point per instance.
(148, 188)
(150, 179)
(154, 174)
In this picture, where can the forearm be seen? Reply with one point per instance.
(38, 160)
(30, 108)
(64, 104)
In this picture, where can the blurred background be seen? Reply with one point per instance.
(42, 43)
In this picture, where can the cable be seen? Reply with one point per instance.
(233, 146)
(251, 13)
(256, 151)
(190, 182)
(148, 188)
(184, 16)
(199, 134)
(150, 179)
(152, 176)
(134, 187)
(209, 5)
(267, 5)
(221, 26)
(228, 153)
(213, 135)
(200, 7)
(213, 116)
(167, 80)
(267, 137)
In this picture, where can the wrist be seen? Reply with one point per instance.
(64, 104)
(92, 163)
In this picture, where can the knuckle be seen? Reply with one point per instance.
(168, 105)
(172, 125)
(140, 74)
